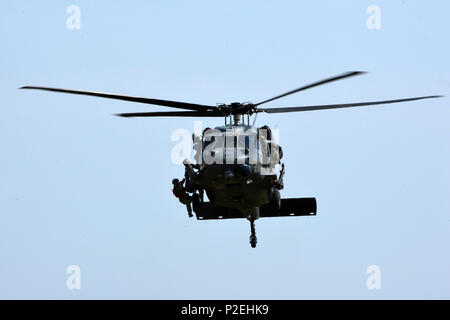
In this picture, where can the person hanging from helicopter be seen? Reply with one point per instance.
(180, 192)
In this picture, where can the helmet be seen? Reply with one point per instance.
(175, 181)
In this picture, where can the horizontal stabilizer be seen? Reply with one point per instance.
(289, 207)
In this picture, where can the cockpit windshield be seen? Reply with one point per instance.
(233, 145)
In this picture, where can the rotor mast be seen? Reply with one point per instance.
(237, 118)
(237, 111)
(234, 119)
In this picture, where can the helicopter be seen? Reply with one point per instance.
(238, 165)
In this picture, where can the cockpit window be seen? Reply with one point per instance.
(238, 145)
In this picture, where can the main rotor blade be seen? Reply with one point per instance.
(166, 103)
(315, 84)
(171, 114)
(337, 106)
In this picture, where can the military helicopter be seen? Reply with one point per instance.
(241, 179)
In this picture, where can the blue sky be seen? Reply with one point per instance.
(81, 187)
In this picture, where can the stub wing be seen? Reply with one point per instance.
(290, 207)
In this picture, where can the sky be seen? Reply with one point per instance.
(80, 187)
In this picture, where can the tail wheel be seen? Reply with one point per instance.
(253, 242)
(253, 239)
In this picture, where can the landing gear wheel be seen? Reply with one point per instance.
(276, 199)
(195, 202)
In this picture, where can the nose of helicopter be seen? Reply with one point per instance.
(237, 173)
(244, 170)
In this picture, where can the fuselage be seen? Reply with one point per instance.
(236, 167)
